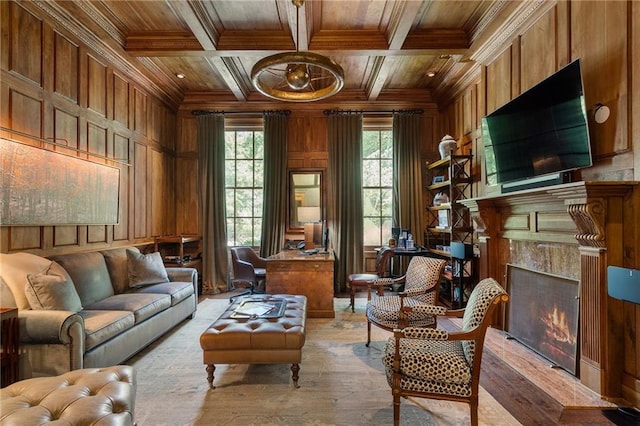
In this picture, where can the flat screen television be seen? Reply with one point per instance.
(542, 132)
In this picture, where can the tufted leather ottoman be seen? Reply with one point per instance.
(277, 340)
(90, 396)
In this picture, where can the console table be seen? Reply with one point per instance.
(294, 272)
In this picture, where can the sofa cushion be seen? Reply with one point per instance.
(100, 326)
(89, 274)
(14, 271)
(145, 269)
(143, 306)
(116, 260)
(177, 290)
(52, 289)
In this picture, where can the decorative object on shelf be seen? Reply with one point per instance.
(447, 145)
(437, 179)
(297, 76)
(440, 198)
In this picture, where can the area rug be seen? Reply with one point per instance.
(342, 382)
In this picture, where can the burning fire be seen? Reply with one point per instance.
(557, 327)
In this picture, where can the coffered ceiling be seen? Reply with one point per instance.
(387, 48)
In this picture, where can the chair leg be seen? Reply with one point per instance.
(368, 332)
(353, 299)
(474, 411)
(396, 408)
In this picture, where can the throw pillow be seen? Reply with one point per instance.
(52, 290)
(145, 269)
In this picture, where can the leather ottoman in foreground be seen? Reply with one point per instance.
(272, 337)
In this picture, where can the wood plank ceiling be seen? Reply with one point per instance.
(386, 47)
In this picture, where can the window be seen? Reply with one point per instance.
(244, 177)
(377, 180)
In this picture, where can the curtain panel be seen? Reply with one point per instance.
(408, 205)
(275, 198)
(211, 181)
(345, 191)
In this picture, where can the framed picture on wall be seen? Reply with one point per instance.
(44, 187)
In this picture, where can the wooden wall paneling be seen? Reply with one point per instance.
(498, 81)
(562, 11)
(66, 67)
(25, 30)
(140, 191)
(187, 203)
(121, 152)
(24, 238)
(605, 61)
(96, 85)
(67, 235)
(139, 111)
(185, 185)
(120, 105)
(157, 193)
(537, 51)
(634, 48)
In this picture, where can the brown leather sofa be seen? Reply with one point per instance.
(114, 321)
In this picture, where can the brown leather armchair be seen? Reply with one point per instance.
(249, 270)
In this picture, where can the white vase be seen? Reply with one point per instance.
(447, 146)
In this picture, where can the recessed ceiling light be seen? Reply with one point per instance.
(431, 73)
(180, 75)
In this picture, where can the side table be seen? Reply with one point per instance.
(9, 357)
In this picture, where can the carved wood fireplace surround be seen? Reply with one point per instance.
(574, 230)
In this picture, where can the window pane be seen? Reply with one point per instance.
(244, 173)
(244, 145)
(244, 177)
(371, 200)
(244, 232)
(377, 178)
(371, 173)
(230, 196)
(229, 173)
(244, 202)
(386, 173)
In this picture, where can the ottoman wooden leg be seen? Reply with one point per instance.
(210, 369)
(294, 374)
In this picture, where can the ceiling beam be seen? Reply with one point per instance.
(400, 23)
(195, 16)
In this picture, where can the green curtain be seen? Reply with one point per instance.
(275, 198)
(408, 206)
(215, 259)
(345, 192)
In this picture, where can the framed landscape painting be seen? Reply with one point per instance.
(43, 187)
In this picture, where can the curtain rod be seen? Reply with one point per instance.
(207, 112)
(374, 111)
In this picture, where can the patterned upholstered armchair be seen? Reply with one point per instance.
(421, 285)
(436, 364)
(363, 280)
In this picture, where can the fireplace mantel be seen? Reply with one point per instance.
(599, 218)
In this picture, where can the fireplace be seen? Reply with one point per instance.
(543, 315)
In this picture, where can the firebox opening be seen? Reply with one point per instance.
(543, 314)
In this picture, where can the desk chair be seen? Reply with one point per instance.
(365, 280)
(249, 270)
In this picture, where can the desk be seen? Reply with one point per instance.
(293, 272)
